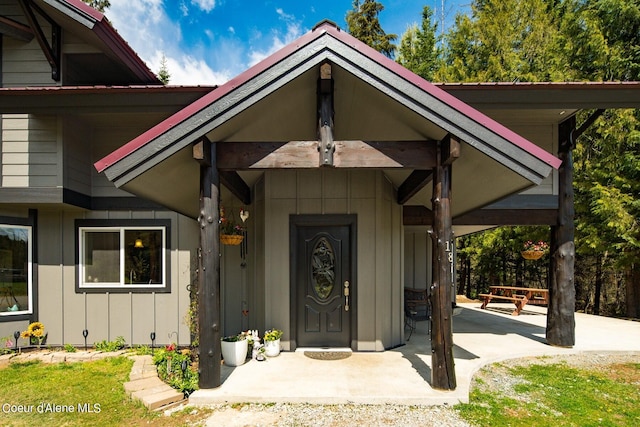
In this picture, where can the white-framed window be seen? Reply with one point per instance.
(122, 258)
(16, 278)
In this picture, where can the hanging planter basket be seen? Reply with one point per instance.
(231, 239)
(532, 254)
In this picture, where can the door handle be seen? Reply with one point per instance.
(346, 295)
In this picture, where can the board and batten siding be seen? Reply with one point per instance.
(379, 265)
(31, 153)
(107, 316)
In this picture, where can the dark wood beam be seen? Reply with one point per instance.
(201, 151)
(209, 275)
(236, 185)
(326, 147)
(51, 52)
(562, 294)
(15, 29)
(420, 215)
(414, 183)
(443, 375)
(304, 155)
(450, 149)
(228, 178)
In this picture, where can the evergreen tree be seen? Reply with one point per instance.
(363, 24)
(99, 5)
(163, 73)
(418, 50)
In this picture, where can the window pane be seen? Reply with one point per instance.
(143, 257)
(14, 269)
(101, 257)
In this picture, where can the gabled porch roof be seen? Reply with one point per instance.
(375, 101)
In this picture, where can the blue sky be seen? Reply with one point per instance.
(207, 42)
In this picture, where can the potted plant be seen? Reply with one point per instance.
(272, 342)
(234, 349)
(231, 233)
(532, 250)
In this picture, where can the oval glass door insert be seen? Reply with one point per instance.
(323, 267)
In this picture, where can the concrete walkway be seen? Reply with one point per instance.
(402, 375)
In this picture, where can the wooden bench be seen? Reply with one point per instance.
(518, 295)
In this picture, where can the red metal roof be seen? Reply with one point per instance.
(320, 30)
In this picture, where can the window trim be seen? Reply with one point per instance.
(83, 225)
(29, 224)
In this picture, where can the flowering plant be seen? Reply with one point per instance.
(229, 226)
(176, 368)
(536, 247)
(272, 334)
(35, 333)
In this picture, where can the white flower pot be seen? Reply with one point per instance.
(234, 353)
(272, 348)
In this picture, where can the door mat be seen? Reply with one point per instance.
(327, 355)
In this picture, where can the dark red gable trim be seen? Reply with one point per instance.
(324, 28)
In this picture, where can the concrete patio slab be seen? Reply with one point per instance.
(403, 375)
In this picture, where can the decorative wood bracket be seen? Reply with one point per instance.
(51, 52)
(326, 147)
(15, 29)
(231, 179)
(450, 149)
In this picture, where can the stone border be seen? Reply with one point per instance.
(143, 385)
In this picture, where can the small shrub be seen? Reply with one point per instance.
(170, 363)
(106, 346)
(69, 348)
(142, 350)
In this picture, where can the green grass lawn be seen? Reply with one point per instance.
(75, 394)
(556, 395)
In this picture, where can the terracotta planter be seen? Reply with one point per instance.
(234, 353)
(532, 254)
(272, 348)
(231, 239)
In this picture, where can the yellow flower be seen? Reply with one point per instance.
(36, 329)
(25, 334)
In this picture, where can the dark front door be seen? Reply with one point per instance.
(323, 288)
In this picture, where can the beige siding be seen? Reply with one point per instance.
(24, 64)
(104, 141)
(77, 156)
(417, 257)
(106, 316)
(30, 151)
(370, 196)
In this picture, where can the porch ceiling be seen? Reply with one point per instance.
(374, 100)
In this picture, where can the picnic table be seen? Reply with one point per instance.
(518, 295)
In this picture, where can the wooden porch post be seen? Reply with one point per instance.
(443, 374)
(562, 293)
(209, 266)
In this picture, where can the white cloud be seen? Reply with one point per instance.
(151, 33)
(278, 41)
(187, 70)
(206, 5)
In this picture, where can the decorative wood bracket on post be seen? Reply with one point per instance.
(209, 266)
(326, 146)
(51, 52)
(443, 375)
